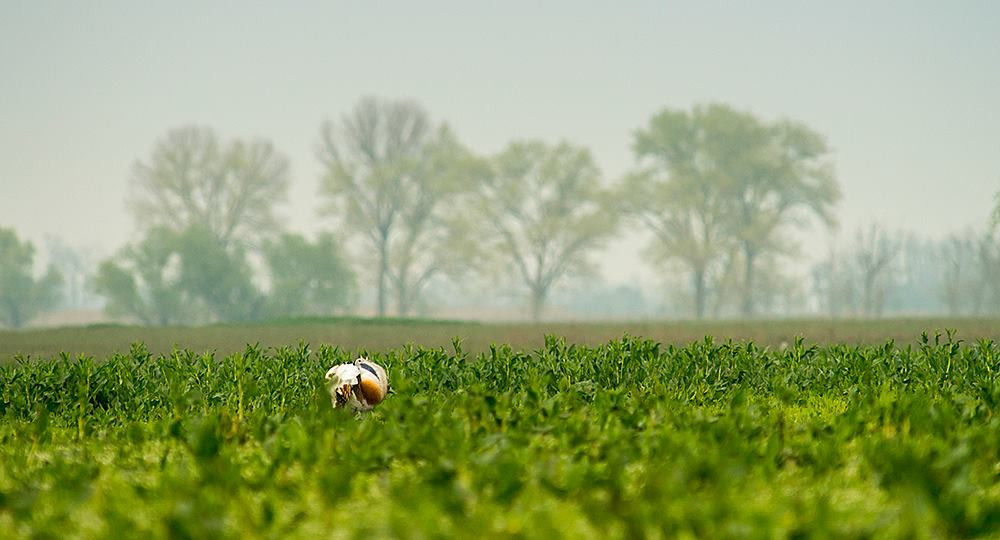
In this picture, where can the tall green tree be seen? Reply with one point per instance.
(679, 193)
(21, 295)
(217, 276)
(433, 240)
(542, 212)
(192, 179)
(307, 278)
(142, 282)
(390, 177)
(779, 176)
(179, 277)
(716, 178)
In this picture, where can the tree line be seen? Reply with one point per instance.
(881, 271)
(720, 192)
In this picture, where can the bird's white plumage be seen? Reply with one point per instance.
(342, 374)
(361, 385)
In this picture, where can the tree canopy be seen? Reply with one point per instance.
(543, 211)
(190, 277)
(22, 296)
(144, 282)
(307, 278)
(678, 194)
(717, 186)
(192, 179)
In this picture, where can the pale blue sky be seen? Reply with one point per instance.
(907, 93)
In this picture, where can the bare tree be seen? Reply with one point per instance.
(958, 254)
(73, 267)
(988, 265)
(191, 179)
(875, 252)
(389, 176)
(835, 285)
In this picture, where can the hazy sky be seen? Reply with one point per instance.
(907, 93)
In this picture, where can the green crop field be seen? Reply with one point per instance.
(622, 439)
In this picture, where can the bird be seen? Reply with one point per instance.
(360, 385)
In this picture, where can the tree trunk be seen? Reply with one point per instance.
(402, 304)
(867, 295)
(383, 272)
(748, 284)
(699, 293)
(537, 304)
(15, 317)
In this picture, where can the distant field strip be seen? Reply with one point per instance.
(380, 334)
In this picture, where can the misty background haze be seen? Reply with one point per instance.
(907, 99)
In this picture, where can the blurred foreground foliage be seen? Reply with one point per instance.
(628, 439)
